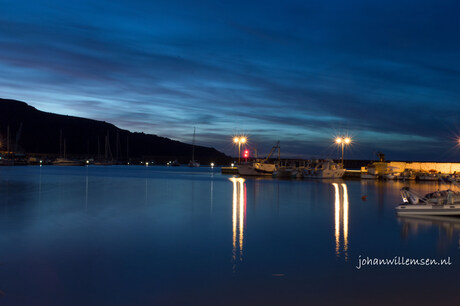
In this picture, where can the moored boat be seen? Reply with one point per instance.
(67, 162)
(256, 168)
(427, 176)
(324, 170)
(438, 203)
(260, 167)
(285, 172)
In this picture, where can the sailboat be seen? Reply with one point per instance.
(193, 162)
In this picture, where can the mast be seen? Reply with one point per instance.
(193, 146)
(117, 150)
(127, 148)
(98, 149)
(60, 143)
(8, 140)
(108, 152)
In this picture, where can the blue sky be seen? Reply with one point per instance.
(385, 72)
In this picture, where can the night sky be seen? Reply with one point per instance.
(386, 73)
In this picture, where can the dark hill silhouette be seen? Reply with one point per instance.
(36, 132)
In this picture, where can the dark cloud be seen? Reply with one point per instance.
(386, 73)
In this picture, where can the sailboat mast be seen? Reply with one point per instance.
(193, 146)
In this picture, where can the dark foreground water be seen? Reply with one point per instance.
(181, 236)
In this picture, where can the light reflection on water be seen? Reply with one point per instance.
(170, 236)
(448, 228)
(238, 218)
(341, 213)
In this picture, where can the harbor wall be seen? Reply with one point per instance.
(447, 168)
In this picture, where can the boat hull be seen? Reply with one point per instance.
(429, 210)
(324, 174)
(256, 169)
(367, 176)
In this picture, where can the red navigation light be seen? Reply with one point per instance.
(246, 153)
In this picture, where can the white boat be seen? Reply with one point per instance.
(438, 203)
(67, 162)
(193, 162)
(260, 167)
(327, 169)
(257, 168)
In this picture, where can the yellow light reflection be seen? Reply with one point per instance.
(242, 211)
(234, 216)
(341, 213)
(345, 220)
(337, 218)
(238, 217)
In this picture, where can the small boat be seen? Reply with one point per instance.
(406, 175)
(193, 163)
(327, 169)
(368, 176)
(67, 162)
(389, 176)
(427, 176)
(438, 203)
(174, 163)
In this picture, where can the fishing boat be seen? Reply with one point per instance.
(285, 172)
(257, 169)
(406, 175)
(193, 162)
(326, 169)
(427, 176)
(260, 167)
(438, 203)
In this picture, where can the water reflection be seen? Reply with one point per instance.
(448, 228)
(238, 218)
(341, 216)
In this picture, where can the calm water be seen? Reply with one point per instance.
(181, 236)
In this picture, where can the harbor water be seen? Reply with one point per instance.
(132, 235)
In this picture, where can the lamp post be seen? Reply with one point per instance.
(239, 140)
(342, 141)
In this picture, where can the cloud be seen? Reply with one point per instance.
(384, 72)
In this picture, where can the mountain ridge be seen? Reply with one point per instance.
(37, 132)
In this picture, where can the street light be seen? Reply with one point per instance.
(342, 141)
(239, 140)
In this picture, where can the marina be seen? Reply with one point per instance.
(229, 153)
